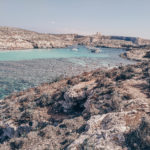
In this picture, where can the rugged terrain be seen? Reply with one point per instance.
(139, 53)
(15, 38)
(103, 109)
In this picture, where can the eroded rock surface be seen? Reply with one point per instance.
(15, 38)
(138, 53)
(102, 109)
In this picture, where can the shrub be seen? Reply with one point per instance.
(16, 145)
(44, 100)
(139, 139)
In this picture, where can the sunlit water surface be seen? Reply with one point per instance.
(22, 69)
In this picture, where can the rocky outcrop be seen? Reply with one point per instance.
(102, 109)
(15, 38)
(106, 131)
(138, 54)
(104, 41)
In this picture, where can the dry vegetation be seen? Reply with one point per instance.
(58, 115)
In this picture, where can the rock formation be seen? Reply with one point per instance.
(140, 53)
(102, 109)
(14, 38)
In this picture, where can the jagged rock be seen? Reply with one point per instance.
(105, 132)
(75, 97)
(6, 133)
(102, 109)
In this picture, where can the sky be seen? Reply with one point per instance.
(109, 17)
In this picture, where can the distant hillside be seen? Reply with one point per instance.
(15, 38)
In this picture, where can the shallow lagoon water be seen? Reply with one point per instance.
(22, 69)
(17, 55)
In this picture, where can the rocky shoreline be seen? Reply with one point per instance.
(16, 77)
(18, 39)
(102, 109)
(137, 54)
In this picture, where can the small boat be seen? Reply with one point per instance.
(75, 49)
(94, 49)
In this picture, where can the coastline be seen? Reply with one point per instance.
(104, 108)
(136, 54)
(53, 68)
(33, 73)
(15, 38)
(20, 39)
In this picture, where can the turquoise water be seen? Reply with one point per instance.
(17, 55)
(22, 69)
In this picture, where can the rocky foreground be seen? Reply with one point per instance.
(102, 109)
(15, 38)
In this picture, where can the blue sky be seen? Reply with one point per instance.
(110, 17)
